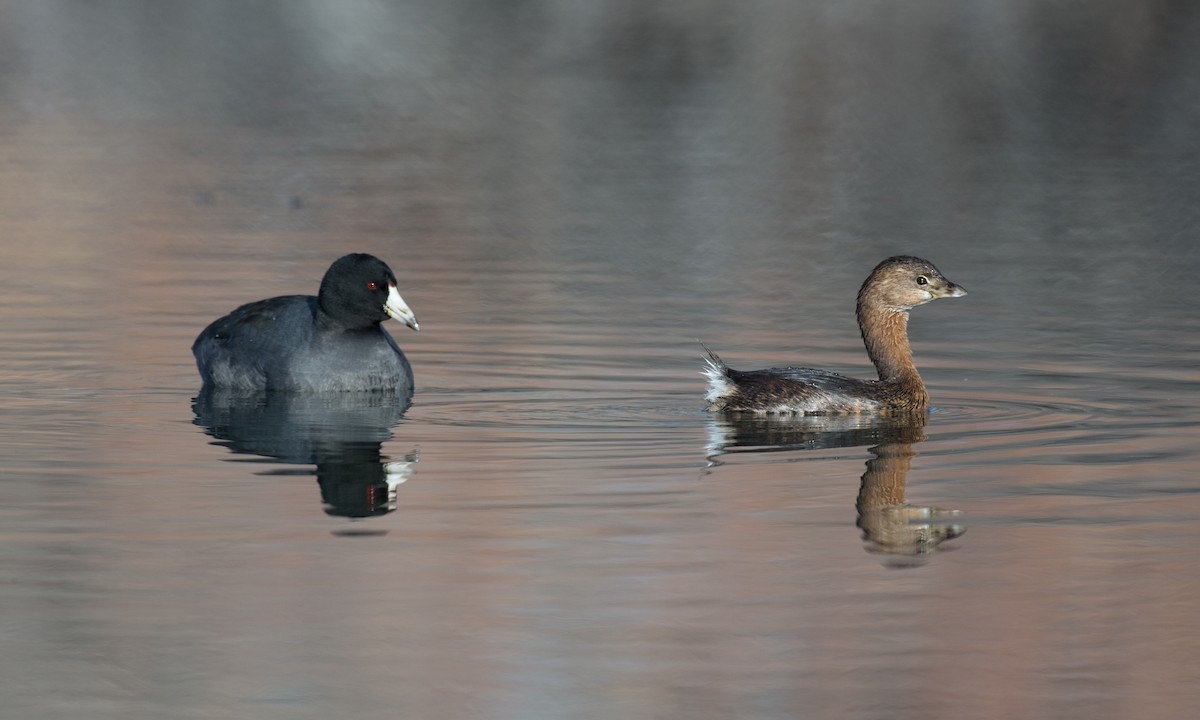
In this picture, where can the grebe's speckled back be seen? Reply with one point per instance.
(894, 287)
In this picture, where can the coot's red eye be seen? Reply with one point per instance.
(372, 285)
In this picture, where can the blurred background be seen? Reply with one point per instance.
(573, 193)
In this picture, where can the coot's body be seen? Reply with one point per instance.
(332, 342)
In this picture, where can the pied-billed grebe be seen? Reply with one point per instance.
(331, 342)
(894, 287)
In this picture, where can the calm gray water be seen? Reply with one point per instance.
(573, 195)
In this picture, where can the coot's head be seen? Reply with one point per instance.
(903, 282)
(359, 290)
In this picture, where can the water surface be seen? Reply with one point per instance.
(572, 198)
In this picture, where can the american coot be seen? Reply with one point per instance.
(894, 287)
(332, 342)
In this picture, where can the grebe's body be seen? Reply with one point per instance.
(894, 287)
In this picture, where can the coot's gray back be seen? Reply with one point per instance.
(332, 342)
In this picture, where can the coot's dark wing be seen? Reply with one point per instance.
(241, 349)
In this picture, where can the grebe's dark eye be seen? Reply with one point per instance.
(922, 280)
(372, 285)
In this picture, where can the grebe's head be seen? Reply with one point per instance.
(903, 282)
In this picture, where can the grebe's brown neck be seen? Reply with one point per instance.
(885, 333)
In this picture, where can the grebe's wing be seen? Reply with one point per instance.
(798, 390)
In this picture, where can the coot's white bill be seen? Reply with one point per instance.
(397, 309)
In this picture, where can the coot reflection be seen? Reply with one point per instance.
(341, 434)
(905, 533)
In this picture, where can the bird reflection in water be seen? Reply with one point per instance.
(341, 434)
(907, 534)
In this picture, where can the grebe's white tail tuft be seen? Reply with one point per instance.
(717, 373)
